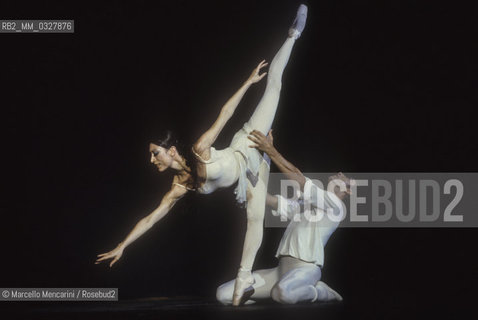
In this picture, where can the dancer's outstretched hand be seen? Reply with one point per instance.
(262, 143)
(255, 76)
(114, 254)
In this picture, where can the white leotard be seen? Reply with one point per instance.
(222, 170)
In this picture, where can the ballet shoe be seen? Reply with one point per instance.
(243, 289)
(299, 23)
(331, 293)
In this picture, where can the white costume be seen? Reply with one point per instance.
(300, 253)
(232, 164)
(303, 239)
(246, 165)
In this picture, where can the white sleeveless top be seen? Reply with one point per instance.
(232, 164)
(222, 170)
(303, 239)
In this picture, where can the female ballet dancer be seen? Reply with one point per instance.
(222, 168)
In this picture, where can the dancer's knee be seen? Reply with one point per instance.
(224, 293)
(274, 84)
(256, 209)
(255, 217)
(281, 294)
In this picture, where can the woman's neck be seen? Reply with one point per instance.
(181, 166)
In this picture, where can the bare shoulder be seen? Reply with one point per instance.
(202, 149)
(181, 185)
(176, 192)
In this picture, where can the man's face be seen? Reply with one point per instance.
(336, 184)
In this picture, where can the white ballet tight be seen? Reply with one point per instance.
(261, 120)
(291, 282)
(265, 111)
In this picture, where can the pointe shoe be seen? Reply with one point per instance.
(299, 23)
(243, 289)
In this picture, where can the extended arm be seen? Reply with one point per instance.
(145, 224)
(272, 201)
(202, 146)
(266, 145)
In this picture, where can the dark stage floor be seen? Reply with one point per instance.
(168, 308)
(200, 308)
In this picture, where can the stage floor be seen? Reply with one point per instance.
(168, 308)
(200, 308)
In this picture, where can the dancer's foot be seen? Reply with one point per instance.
(299, 23)
(243, 289)
(326, 293)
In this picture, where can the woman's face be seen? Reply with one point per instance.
(160, 157)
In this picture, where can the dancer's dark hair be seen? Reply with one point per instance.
(167, 140)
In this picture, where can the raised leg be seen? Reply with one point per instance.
(264, 114)
(265, 111)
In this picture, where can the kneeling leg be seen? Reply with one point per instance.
(297, 285)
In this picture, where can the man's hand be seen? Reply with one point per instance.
(262, 143)
(266, 145)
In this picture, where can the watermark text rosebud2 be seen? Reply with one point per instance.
(59, 294)
(379, 199)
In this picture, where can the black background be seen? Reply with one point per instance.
(372, 86)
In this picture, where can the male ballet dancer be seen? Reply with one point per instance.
(301, 250)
